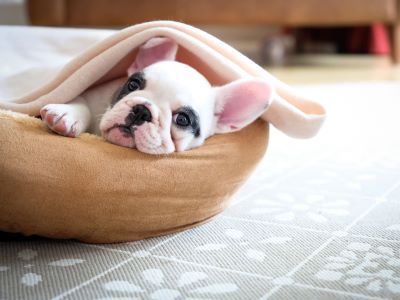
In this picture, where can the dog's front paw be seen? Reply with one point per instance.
(61, 119)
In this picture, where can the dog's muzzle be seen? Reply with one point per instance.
(138, 116)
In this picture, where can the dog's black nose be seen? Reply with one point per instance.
(138, 115)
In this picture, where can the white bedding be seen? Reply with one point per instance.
(320, 218)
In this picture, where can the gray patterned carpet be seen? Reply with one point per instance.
(320, 219)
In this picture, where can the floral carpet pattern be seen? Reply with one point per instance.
(319, 219)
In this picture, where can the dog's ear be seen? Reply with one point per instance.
(154, 50)
(241, 102)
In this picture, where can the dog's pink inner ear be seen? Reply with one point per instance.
(241, 102)
(154, 50)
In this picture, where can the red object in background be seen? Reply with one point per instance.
(372, 39)
(379, 40)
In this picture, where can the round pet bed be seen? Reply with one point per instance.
(87, 189)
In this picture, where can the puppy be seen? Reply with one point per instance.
(163, 106)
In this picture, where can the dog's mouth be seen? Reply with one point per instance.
(127, 131)
(121, 134)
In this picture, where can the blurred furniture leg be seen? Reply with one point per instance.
(47, 12)
(395, 36)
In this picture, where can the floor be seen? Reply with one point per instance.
(314, 68)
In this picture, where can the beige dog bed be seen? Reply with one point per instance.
(87, 189)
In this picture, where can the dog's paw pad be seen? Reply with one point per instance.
(59, 120)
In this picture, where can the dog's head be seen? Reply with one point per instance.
(167, 106)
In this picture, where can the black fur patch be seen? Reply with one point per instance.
(194, 120)
(136, 79)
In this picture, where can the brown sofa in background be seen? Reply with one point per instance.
(108, 13)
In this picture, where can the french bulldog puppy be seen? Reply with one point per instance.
(163, 106)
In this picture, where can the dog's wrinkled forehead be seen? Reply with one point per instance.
(175, 83)
(167, 81)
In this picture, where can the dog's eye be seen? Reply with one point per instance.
(133, 85)
(182, 119)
